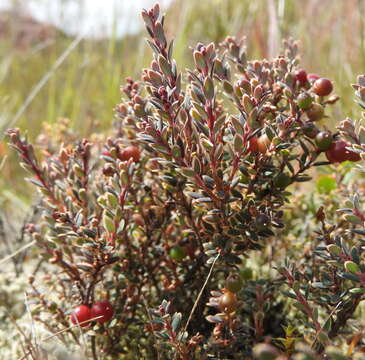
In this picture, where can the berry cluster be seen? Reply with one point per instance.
(311, 102)
(101, 312)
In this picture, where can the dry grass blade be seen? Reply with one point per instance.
(2, 163)
(274, 37)
(29, 346)
(6, 258)
(200, 293)
(33, 93)
(56, 334)
(327, 319)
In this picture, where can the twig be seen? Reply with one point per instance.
(151, 323)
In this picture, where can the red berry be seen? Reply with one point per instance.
(80, 315)
(130, 152)
(330, 155)
(301, 76)
(312, 77)
(322, 87)
(338, 153)
(138, 219)
(104, 309)
(106, 153)
(253, 145)
(352, 156)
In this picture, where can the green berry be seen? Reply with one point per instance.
(177, 253)
(246, 273)
(310, 130)
(233, 283)
(315, 112)
(324, 140)
(304, 101)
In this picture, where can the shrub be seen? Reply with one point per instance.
(167, 221)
